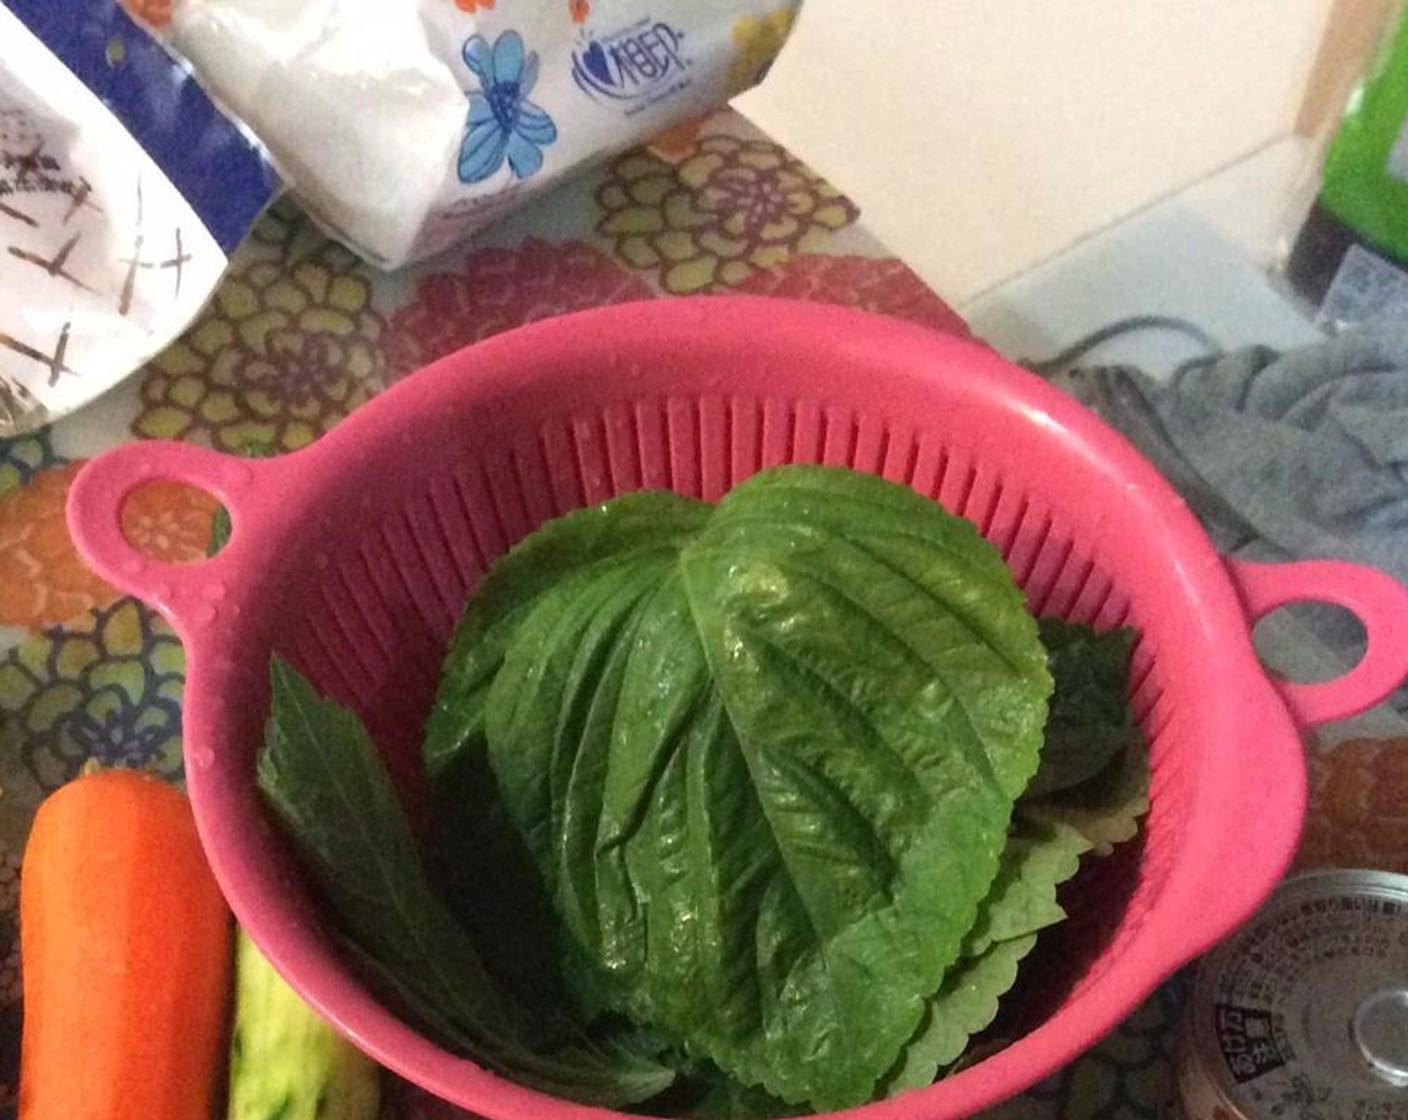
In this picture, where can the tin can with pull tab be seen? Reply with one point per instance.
(1303, 1013)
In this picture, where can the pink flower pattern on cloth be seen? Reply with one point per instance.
(494, 290)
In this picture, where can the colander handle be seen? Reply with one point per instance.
(103, 485)
(1376, 599)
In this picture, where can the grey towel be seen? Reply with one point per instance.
(1282, 456)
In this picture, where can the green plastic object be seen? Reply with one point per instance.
(1366, 169)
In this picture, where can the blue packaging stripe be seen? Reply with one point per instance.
(224, 175)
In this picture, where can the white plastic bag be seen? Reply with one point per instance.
(406, 126)
(122, 192)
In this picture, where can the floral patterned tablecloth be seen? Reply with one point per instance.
(301, 333)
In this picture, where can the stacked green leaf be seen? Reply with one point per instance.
(763, 801)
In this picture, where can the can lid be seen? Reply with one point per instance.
(1307, 1003)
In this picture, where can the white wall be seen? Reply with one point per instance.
(980, 136)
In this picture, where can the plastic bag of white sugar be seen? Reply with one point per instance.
(407, 126)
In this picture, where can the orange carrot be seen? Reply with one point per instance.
(125, 949)
(155, 13)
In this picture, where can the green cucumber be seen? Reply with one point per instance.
(287, 1063)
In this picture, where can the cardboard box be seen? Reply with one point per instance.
(982, 139)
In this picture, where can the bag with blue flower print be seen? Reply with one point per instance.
(408, 125)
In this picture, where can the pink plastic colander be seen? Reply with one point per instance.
(354, 557)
